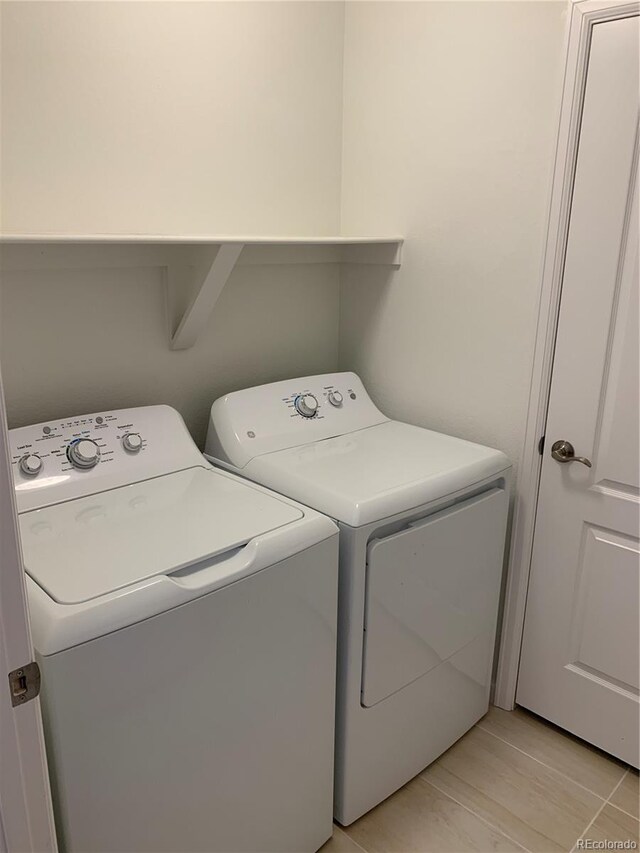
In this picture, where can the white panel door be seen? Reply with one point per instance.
(579, 664)
(26, 819)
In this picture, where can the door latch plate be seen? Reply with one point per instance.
(24, 683)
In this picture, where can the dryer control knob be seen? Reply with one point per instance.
(132, 442)
(30, 464)
(83, 453)
(335, 398)
(306, 405)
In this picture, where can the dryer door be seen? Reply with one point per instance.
(432, 589)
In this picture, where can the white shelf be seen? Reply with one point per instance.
(187, 239)
(200, 264)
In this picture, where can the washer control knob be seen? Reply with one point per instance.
(335, 398)
(83, 453)
(132, 442)
(30, 464)
(306, 405)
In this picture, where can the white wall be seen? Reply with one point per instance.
(171, 117)
(166, 117)
(450, 114)
(228, 117)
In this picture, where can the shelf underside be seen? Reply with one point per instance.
(199, 265)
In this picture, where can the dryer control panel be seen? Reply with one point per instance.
(70, 457)
(249, 423)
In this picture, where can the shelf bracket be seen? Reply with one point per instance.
(211, 281)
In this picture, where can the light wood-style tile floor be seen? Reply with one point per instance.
(512, 783)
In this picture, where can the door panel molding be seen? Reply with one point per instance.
(612, 445)
(613, 663)
(583, 16)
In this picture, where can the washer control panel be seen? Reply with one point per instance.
(80, 444)
(73, 456)
(273, 417)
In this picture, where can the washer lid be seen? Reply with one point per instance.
(374, 473)
(94, 545)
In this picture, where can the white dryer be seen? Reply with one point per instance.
(422, 520)
(185, 626)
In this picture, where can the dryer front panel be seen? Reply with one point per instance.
(432, 589)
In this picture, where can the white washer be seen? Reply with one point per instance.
(185, 625)
(422, 520)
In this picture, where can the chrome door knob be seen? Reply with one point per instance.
(562, 451)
